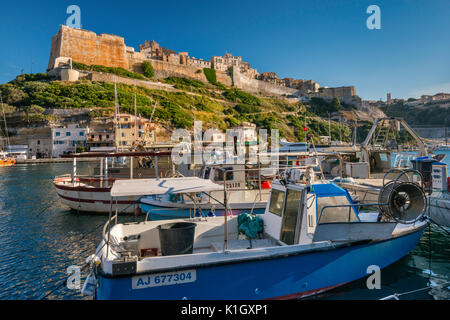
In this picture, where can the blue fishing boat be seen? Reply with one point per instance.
(244, 194)
(310, 239)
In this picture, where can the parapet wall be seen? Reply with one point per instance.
(165, 69)
(259, 86)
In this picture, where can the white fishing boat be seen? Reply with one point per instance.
(248, 191)
(90, 193)
(311, 238)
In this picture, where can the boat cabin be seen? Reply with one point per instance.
(235, 176)
(294, 210)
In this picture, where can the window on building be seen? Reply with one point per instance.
(57, 133)
(123, 134)
(81, 133)
(39, 142)
(107, 136)
(68, 134)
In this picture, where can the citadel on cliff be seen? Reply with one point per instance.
(111, 51)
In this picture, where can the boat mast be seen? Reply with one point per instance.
(117, 124)
(135, 114)
(4, 120)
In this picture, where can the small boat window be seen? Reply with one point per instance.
(228, 176)
(276, 202)
(207, 171)
(339, 214)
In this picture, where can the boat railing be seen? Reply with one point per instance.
(349, 206)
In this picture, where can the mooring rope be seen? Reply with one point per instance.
(396, 295)
(64, 282)
(429, 284)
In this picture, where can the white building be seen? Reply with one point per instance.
(66, 140)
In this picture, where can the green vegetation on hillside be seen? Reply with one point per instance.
(323, 108)
(117, 71)
(427, 115)
(222, 107)
(210, 75)
(236, 95)
(147, 69)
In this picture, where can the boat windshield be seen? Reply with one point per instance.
(335, 214)
(276, 202)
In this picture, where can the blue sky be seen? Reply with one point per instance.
(323, 40)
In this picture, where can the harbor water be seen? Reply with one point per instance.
(41, 238)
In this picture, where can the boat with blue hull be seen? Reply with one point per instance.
(295, 274)
(312, 238)
(247, 192)
(160, 209)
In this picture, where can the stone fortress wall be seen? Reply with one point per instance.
(88, 48)
(110, 50)
(259, 86)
